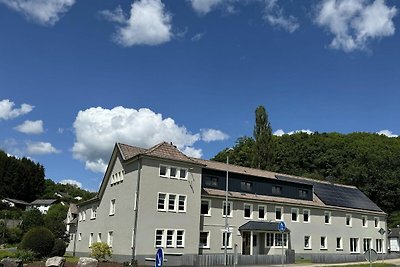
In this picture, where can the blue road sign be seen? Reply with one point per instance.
(159, 257)
(281, 227)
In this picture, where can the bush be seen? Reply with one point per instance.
(6, 254)
(100, 251)
(14, 235)
(26, 255)
(59, 248)
(39, 239)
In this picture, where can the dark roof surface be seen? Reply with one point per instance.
(395, 232)
(261, 226)
(43, 202)
(16, 201)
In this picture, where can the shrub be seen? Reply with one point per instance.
(6, 254)
(14, 235)
(26, 255)
(59, 248)
(39, 239)
(100, 251)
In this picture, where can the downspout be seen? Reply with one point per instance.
(76, 232)
(136, 207)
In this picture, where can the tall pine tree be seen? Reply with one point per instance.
(263, 147)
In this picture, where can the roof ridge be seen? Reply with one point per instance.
(153, 148)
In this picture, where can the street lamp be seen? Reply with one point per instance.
(226, 208)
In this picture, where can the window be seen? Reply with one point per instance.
(366, 244)
(323, 244)
(170, 238)
(211, 181)
(348, 219)
(84, 215)
(306, 216)
(327, 217)
(339, 243)
(269, 240)
(206, 207)
(246, 186)
(278, 213)
(378, 245)
(171, 202)
(93, 214)
(278, 240)
(204, 240)
(276, 190)
(80, 216)
(110, 238)
(99, 237)
(228, 239)
(227, 209)
(117, 177)
(364, 221)
(90, 239)
(303, 194)
(163, 170)
(248, 211)
(262, 212)
(181, 203)
(112, 206)
(354, 245)
(172, 172)
(159, 238)
(376, 222)
(183, 174)
(180, 237)
(295, 215)
(161, 202)
(307, 242)
(80, 237)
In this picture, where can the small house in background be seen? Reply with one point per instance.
(394, 240)
(15, 203)
(42, 205)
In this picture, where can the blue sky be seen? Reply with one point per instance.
(77, 76)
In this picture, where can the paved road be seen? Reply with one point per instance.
(391, 261)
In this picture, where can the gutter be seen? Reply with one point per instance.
(136, 210)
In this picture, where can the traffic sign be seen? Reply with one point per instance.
(281, 226)
(370, 255)
(382, 231)
(159, 257)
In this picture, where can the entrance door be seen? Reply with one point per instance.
(246, 243)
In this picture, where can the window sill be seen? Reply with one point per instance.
(339, 249)
(94, 218)
(204, 247)
(323, 248)
(111, 214)
(307, 248)
(205, 215)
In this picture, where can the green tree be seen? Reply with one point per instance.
(31, 218)
(54, 220)
(263, 147)
(38, 239)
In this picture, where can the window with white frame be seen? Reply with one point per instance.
(159, 238)
(262, 212)
(170, 238)
(339, 243)
(112, 207)
(323, 243)
(307, 242)
(171, 202)
(364, 221)
(348, 219)
(205, 207)
(269, 239)
(161, 206)
(91, 239)
(93, 213)
(366, 243)
(204, 240)
(306, 216)
(376, 222)
(173, 172)
(181, 203)
(327, 217)
(98, 237)
(354, 245)
(295, 215)
(110, 238)
(227, 237)
(378, 245)
(180, 238)
(248, 211)
(84, 215)
(278, 240)
(79, 236)
(117, 177)
(227, 208)
(278, 213)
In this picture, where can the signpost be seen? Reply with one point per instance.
(282, 228)
(159, 257)
(370, 256)
(382, 232)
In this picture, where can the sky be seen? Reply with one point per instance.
(77, 76)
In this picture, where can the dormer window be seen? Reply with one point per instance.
(246, 186)
(276, 190)
(303, 194)
(211, 181)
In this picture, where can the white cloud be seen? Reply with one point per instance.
(71, 182)
(273, 13)
(197, 37)
(148, 24)
(30, 127)
(41, 148)
(387, 133)
(209, 135)
(354, 23)
(7, 110)
(281, 132)
(97, 130)
(203, 7)
(45, 12)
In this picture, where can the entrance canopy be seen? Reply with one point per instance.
(261, 226)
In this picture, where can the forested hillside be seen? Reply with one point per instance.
(369, 161)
